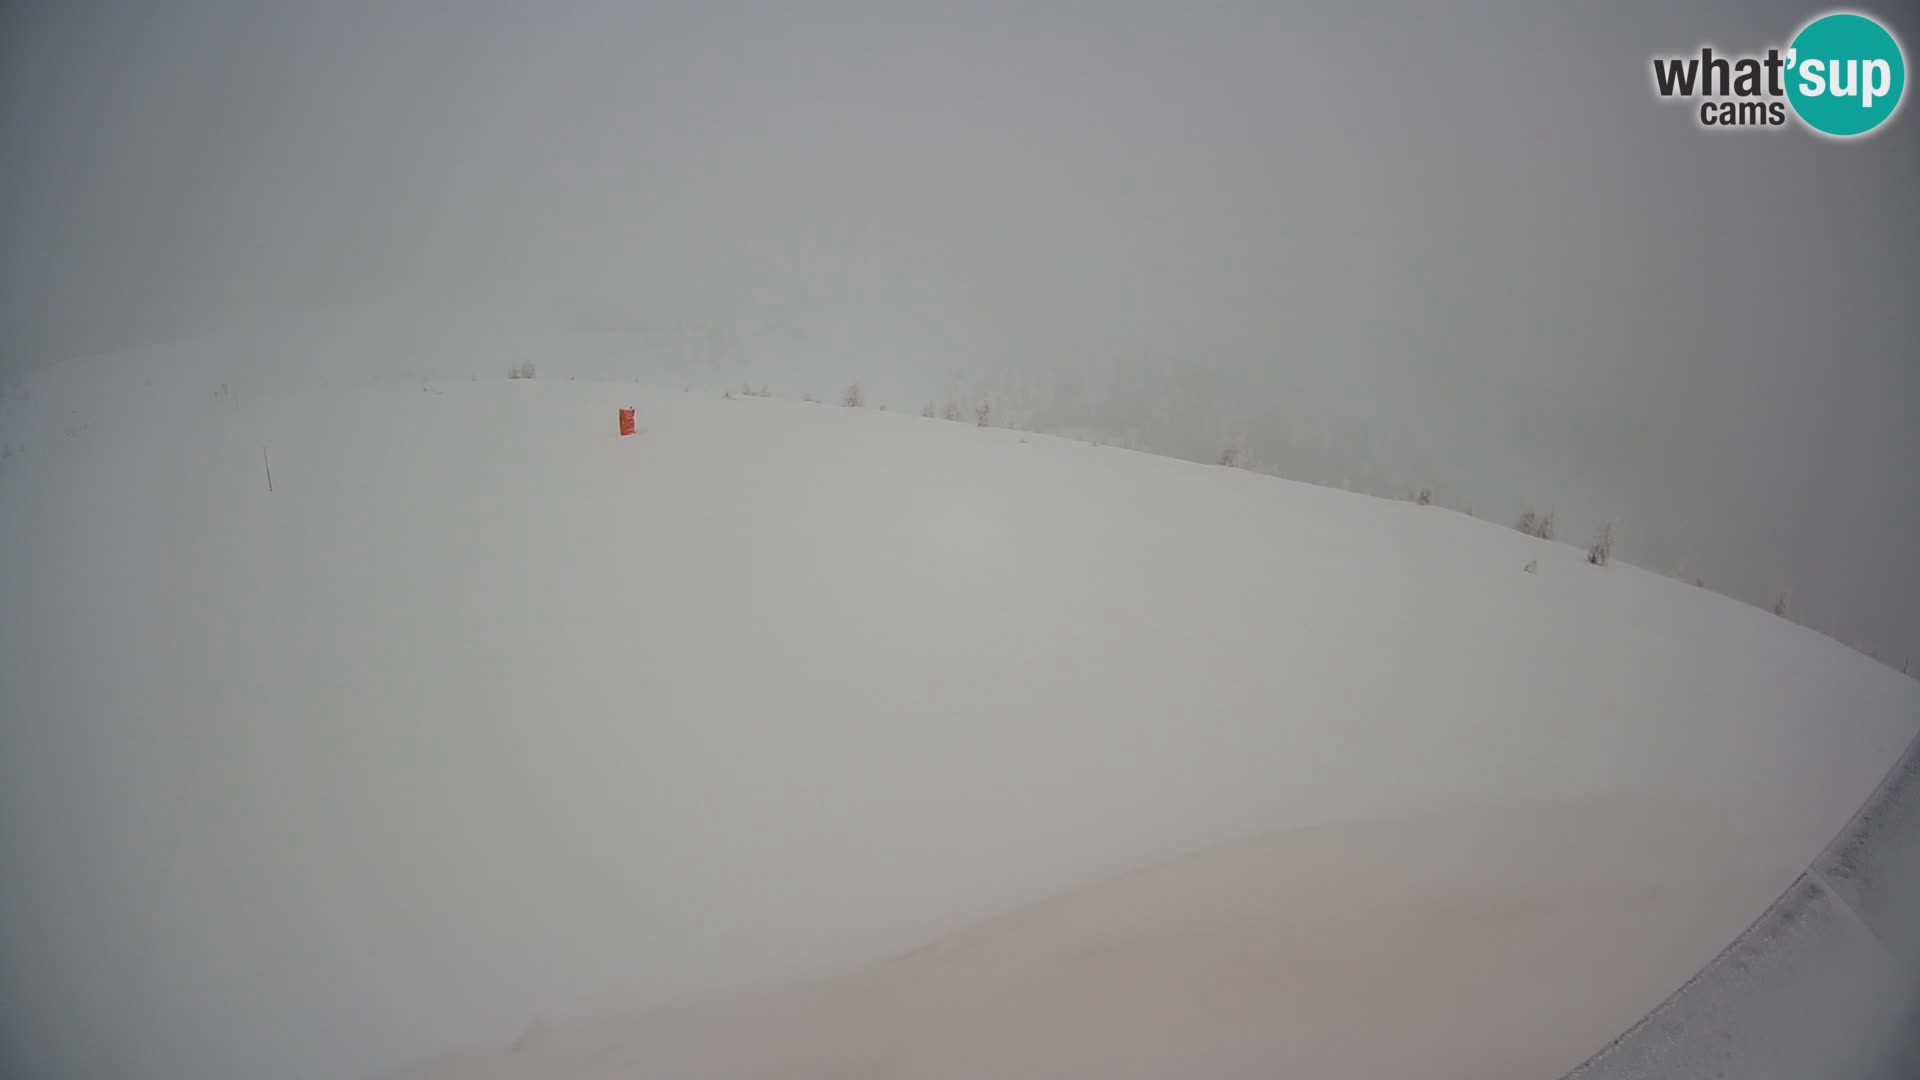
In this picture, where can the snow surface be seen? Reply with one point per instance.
(1826, 983)
(485, 715)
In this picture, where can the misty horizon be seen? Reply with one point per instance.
(1389, 247)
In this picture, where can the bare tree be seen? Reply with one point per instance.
(1601, 553)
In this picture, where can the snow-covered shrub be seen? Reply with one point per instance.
(1601, 552)
(524, 370)
(853, 398)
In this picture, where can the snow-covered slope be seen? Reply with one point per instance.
(485, 715)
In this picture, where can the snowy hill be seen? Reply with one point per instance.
(484, 715)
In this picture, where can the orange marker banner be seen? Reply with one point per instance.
(626, 421)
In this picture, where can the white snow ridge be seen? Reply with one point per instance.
(791, 740)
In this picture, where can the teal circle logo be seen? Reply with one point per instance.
(1845, 74)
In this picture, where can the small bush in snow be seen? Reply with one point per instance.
(1601, 552)
(1540, 525)
(1423, 497)
(808, 398)
(928, 411)
(1532, 567)
(853, 399)
(983, 414)
(951, 412)
(1233, 457)
(521, 371)
(1780, 606)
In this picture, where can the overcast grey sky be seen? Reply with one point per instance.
(1447, 244)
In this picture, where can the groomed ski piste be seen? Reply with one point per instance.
(790, 740)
